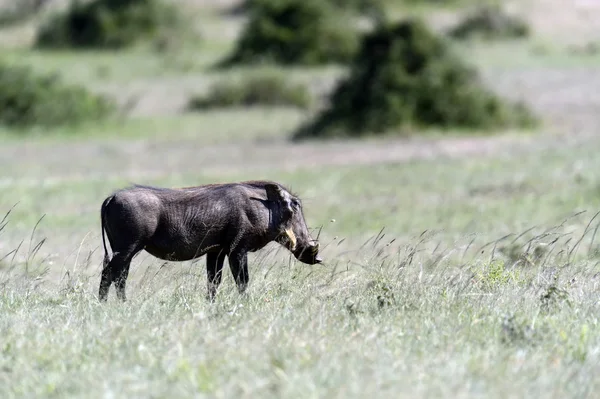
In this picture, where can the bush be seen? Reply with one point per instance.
(28, 99)
(263, 89)
(490, 22)
(106, 24)
(307, 32)
(405, 76)
(361, 6)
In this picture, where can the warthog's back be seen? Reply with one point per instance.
(183, 223)
(244, 190)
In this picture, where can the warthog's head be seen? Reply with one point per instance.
(292, 230)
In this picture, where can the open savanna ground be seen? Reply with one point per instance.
(455, 265)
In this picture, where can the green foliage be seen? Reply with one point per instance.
(404, 76)
(306, 32)
(28, 99)
(579, 349)
(262, 89)
(106, 24)
(496, 274)
(360, 6)
(490, 22)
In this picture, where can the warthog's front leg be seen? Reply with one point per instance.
(214, 271)
(238, 263)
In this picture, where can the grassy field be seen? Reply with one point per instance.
(455, 266)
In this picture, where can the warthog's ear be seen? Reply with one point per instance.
(274, 192)
(279, 196)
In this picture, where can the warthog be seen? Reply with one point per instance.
(215, 220)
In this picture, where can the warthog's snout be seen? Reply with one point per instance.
(310, 254)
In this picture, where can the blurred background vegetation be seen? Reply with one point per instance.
(404, 74)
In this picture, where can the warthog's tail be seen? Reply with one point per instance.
(102, 219)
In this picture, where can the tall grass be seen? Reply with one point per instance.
(419, 318)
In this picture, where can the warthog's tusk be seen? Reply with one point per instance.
(315, 249)
(292, 237)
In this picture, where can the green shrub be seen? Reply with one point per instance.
(496, 274)
(405, 76)
(28, 99)
(307, 32)
(106, 24)
(264, 89)
(361, 6)
(490, 22)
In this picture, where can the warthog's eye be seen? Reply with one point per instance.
(295, 203)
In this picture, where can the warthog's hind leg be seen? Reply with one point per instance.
(116, 272)
(214, 272)
(105, 280)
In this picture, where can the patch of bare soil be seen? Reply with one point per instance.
(143, 161)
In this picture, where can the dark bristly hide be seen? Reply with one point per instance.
(216, 220)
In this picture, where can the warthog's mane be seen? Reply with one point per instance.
(254, 184)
